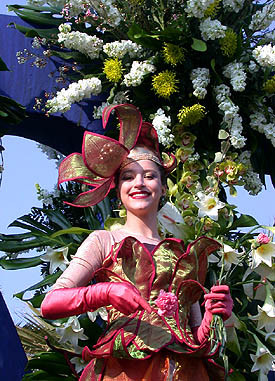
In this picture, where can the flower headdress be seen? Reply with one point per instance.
(102, 156)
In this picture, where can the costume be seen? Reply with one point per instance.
(157, 343)
(143, 342)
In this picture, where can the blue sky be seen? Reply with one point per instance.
(25, 165)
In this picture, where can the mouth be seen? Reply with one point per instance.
(139, 195)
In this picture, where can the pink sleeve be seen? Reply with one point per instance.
(87, 260)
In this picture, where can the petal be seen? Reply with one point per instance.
(130, 122)
(102, 155)
(94, 196)
(73, 168)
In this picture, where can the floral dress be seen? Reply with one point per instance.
(145, 346)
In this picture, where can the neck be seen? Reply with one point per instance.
(146, 226)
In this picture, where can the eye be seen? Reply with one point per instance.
(150, 176)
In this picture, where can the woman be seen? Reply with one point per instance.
(150, 286)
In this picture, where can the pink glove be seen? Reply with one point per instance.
(219, 302)
(64, 302)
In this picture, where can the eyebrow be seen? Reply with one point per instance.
(130, 171)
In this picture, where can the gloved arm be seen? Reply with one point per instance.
(219, 302)
(64, 302)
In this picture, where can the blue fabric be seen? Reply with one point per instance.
(24, 83)
(12, 356)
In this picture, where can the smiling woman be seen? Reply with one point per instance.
(150, 286)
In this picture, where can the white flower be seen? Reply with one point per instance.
(57, 258)
(264, 253)
(71, 332)
(233, 5)
(266, 313)
(197, 8)
(265, 55)
(208, 205)
(79, 364)
(118, 49)
(137, 73)
(212, 29)
(230, 257)
(235, 72)
(82, 42)
(263, 359)
(200, 79)
(168, 217)
(263, 18)
(76, 91)
(161, 123)
(259, 123)
(102, 312)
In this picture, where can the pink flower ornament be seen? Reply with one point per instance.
(167, 303)
(262, 239)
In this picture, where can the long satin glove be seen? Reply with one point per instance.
(219, 302)
(64, 302)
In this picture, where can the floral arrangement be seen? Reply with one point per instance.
(202, 72)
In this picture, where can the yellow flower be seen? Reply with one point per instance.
(212, 9)
(269, 85)
(229, 43)
(113, 69)
(173, 54)
(191, 115)
(165, 83)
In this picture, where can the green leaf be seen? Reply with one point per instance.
(20, 263)
(57, 218)
(35, 17)
(232, 342)
(36, 300)
(15, 246)
(48, 281)
(138, 35)
(72, 55)
(3, 66)
(232, 191)
(244, 221)
(53, 363)
(199, 45)
(73, 230)
(32, 32)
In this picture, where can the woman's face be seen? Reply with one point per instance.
(140, 187)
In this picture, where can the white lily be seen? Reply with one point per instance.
(168, 217)
(263, 359)
(208, 205)
(230, 257)
(58, 258)
(263, 254)
(266, 313)
(79, 364)
(71, 332)
(102, 312)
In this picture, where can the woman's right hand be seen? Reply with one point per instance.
(64, 302)
(126, 298)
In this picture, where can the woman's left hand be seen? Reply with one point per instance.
(219, 301)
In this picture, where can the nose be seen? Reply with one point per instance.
(139, 181)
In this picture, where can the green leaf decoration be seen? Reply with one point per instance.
(138, 35)
(20, 263)
(244, 221)
(270, 228)
(48, 281)
(16, 246)
(199, 45)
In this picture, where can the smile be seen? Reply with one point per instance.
(139, 195)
